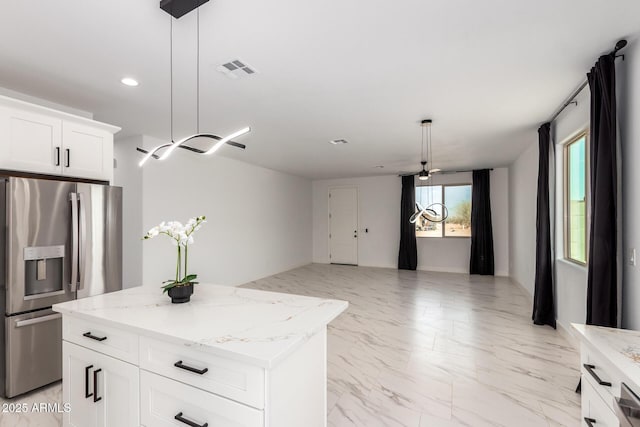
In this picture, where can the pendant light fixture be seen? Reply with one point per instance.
(178, 8)
(428, 213)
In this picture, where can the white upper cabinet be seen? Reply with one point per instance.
(36, 139)
(88, 151)
(30, 141)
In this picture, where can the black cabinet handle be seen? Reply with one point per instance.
(68, 162)
(93, 337)
(188, 422)
(86, 382)
(590, 369)
(179, 364)
(57, 156)
(590, 421)
(95, 386)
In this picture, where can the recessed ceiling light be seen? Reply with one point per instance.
(338, 141)
(128, 81)
(379, 167)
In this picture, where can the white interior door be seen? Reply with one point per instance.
(343, 225)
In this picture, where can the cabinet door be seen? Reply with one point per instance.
(77, 383)
(112, 382)
(87, 152)
(119, 388)
(30, 142)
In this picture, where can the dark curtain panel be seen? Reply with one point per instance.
(481, 229)
(408, 255)
(543, 303)
(602, 277)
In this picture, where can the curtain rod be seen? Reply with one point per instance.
(619, 45)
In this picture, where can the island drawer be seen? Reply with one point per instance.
(104, 339)
(168, 403)
(225, 377)
(595, 411)
(602, 375)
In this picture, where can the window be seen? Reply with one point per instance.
(457, 199)
(575, 199)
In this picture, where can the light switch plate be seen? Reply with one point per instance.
(632, 256)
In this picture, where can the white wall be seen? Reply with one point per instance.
(128, 175)
(259, 220)
(628, 74)
(379, 211)
(523, 174)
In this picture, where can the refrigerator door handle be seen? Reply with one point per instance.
(73, 197)
(82, 249)
(36, 320)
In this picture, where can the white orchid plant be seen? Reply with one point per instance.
(181, 236)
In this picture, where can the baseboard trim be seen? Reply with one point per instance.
(272, 274)
(561, 328)
(565, 331)
(523, 288)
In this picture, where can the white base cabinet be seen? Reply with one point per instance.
(36, 139)
(607, 362)
(103, 391)
(115, 378)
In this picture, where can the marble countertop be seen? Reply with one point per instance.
(620, 346)
(256, 327)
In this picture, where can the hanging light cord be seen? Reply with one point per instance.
(198, 71)
(430, 165)
(422, 146)
(171, 75)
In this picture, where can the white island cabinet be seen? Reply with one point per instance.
(610, 367)
(231, 357)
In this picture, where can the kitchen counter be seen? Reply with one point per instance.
(620, 346)
(610, 371)
(256, 327)
(230, 356)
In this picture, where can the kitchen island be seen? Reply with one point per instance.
(230, 357)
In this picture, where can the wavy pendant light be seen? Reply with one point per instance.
(169, 148)
(428, 213)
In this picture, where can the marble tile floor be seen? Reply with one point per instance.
(437, 349)
(12, 412)
(422, 349)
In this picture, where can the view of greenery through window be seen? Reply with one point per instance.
(577, 200)
(457, 199)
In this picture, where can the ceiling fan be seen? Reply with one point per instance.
(427, 169)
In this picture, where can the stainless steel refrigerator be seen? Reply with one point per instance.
(61, 241)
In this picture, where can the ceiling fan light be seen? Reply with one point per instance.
(423, 175)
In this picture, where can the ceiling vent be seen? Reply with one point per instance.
(237, 69)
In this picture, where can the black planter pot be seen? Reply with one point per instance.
(180, 294)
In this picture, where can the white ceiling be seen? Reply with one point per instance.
(487, 72)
